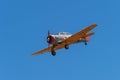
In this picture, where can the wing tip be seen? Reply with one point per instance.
(34, 54)
(95, 24)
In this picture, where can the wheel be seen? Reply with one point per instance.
(66, 47)
(53, 53)
(85, 43)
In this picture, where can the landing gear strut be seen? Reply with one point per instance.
(85, 41)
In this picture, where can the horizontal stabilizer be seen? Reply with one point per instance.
(90, 34)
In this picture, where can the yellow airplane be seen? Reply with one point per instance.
(64, 39)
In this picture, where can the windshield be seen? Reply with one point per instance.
(64, 33)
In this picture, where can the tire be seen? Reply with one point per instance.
(66, 47)
(53, 53)
(85, 43)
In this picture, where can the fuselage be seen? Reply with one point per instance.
(57, 39)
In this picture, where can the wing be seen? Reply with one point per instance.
(74, 38)
(71, 40)
(43, 51)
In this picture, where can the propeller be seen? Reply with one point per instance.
(48, 37)
(48, 32)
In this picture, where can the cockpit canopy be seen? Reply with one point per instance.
(64, 33)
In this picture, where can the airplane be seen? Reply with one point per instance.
(65, 39)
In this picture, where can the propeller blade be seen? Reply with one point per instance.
(48, 32)
(48, 36)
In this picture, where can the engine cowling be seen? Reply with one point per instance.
(50, 39)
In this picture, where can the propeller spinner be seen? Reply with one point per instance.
(50, 38)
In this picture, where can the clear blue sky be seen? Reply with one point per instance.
(23, 30)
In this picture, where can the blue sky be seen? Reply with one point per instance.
(23, 30)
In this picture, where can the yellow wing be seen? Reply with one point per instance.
(43, 51)
(79, 35)
(71, 40)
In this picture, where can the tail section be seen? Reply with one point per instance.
(87, 38)
(90, 34)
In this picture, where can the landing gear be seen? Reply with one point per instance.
(53, 53)
(66, 47)
(85, 43)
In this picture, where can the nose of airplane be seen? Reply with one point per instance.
(50, 39)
